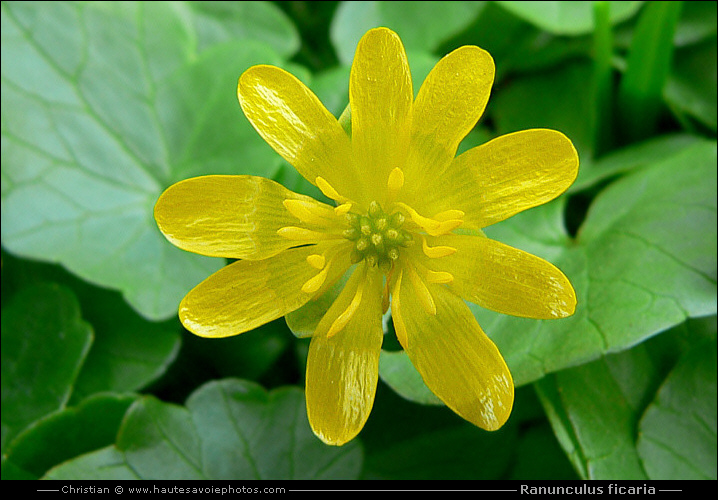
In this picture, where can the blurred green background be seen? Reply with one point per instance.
(106, 104)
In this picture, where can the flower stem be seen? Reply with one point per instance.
(602, 78)
(640, 97)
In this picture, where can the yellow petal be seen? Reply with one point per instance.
(296, 124)
(235, 216)
(381, 95)
(505, 279)
(450, 102)
(505, 176)
(247, 294)
(455, 358)
(343, 369)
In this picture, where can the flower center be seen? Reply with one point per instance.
(377, 236)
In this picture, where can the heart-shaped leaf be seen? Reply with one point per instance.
(44, 344)
(677, 434)
(230, 429)
(104, 107)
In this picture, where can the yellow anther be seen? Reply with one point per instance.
(436, 252)
(396, 311)
(425, 298)
(445, 227)
(365, 227)
(315, 283)
(362, 244)
(343, 208)
(329, 191)
(395, 182)
(429, 225)
(439, 277)
(342, 320)
(449, 215)
(316, 261)
(301, 234)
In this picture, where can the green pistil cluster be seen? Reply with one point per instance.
(377, 236)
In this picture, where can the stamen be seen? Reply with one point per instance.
(352, 234)
(428, 225)
(441, 277)
(375, 210)
(343, 208)
(395, 182)
(377, 240)
(444, 222)
(399, 326)
(329, 191)
(362, 244)
(316, 261)
(342, 320)
(397, 219)
(436, 252)
(449, 215)
(446, 227)
(365, 226)
(302, 234)
(315, 283)
(427, 301)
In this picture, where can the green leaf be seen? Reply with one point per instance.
(602, 84)
(643, 261)
(421, 25)
(229, 429)
(567, 18)
(107, 463)
(129, 352)
(596, 418)
(677, 434)
(160, 442)
(217, 22)
(697, 23)
(692, 86)
(557, 98)
(68, 433)
(596, 409)
(630, 158)
(94, 128)
(44, 344)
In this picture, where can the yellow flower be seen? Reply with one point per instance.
(406, 225)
